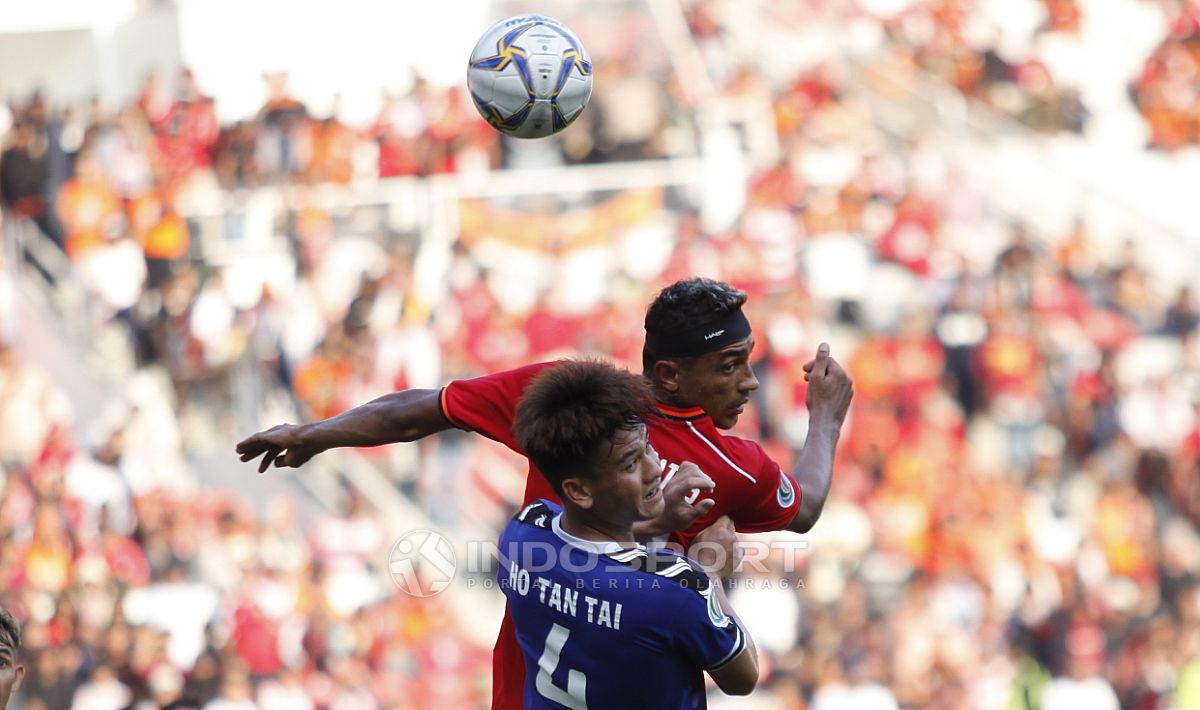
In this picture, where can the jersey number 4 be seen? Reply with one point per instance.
(574, 696)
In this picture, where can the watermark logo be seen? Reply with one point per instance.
(422, 563)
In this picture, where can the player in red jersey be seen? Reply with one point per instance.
(697, 359)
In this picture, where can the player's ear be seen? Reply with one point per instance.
(666, 374)
(18, 675)
(578, 492)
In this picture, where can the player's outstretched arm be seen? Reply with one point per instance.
(739, 676)
(395, 417)
(829, 393)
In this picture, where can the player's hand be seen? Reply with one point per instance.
(281, 444)
(680, 493)
(829, 387)
(716, 548)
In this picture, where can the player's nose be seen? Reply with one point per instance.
(749, 382)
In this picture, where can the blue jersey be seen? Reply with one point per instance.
(605, 627)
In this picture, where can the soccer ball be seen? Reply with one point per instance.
(530, 76)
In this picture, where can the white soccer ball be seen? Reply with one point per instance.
(530, 76)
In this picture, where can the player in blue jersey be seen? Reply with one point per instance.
(603, 622)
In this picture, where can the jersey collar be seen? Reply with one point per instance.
(677, 414)
(600, 548)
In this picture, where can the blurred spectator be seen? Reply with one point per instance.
(1166, 92)
(102, 691)
(284, 692)
(235, 694)
(163, 234)
(1181, 318)
(24, 176)
(89, 208)
(283, 144)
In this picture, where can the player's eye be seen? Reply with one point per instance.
(729, 368)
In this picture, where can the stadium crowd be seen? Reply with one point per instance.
(1122, 71)
(138, 588)
(1014, 516)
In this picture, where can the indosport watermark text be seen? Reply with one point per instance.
(424, 563)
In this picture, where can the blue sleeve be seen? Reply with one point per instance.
(531, 522)
(702, 631)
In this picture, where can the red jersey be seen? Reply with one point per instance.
(750, 487)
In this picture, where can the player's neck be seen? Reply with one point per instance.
(589, 528)
(670, 399)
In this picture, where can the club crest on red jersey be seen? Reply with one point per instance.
(786, 495)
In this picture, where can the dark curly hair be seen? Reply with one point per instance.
(685, 305)
(572, 408)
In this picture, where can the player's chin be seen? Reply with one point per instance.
(725, 421)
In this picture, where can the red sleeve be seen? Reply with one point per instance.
(772, 501)
(487, 405)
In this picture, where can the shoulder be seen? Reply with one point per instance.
(743, 448)
(531, 524)
(486, 403)
(537, 514)
(507, 381)
(751, 456)
(742, 456)
(676, 571)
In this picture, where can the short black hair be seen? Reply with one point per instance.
(685, 305)
(569, 410)
(10, 630)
